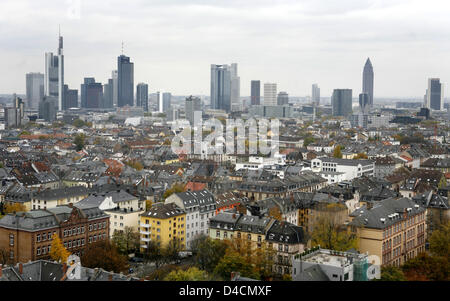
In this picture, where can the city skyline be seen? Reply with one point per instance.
(167, 62)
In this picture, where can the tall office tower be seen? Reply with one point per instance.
(94, 95)
(115, 76)
(315, 95)
(364, 103)
(70, 98)
(19, 105)
(54, 75)
(15, 114)
(255, 92)
(142, 96)
(166, 101)
(125, 81)
(35, 89)
(192, 104)
(283, 99)
(435, 95)
(221, 87)
(270, 94)
(173, 114)
(341, 102)
(235, 88)
(108, 94)
(47, 108)
(368, 81)
(83, 90)
(159, 104)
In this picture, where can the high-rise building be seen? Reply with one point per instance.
(341, 102)
(115, 76)
(364, 103)
(283, 99)
(70, 98)
(125, 81)
(35, 89)
(192, 104)
(108, 94)
(83, 90)
(15, 114)
(255, 92)
(48, 108)
(315, 96)
(270, 94)
(54, 75)
(434, 98)
(166, 101)
(142, 96)
(368, 81)
(221, 87)
(94, 96)
(235, 88)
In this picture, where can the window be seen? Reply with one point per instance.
(70, 244)
(11, 254)
(11, 239)
(38, 251)
(44, 236)
(217, 233)
(38, 237)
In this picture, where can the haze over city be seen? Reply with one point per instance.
(292, 43)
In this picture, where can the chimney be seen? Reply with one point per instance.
(64, 268)
(20, 268)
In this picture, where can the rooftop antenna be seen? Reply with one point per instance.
(122, 47)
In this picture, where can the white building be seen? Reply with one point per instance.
(337, 170)
(257, 163)
(270, 94)
(199, 207)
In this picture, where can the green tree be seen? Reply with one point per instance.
(337, 153)
(208, 252)
(78, 123)
(427, 268)
(79, 141)
(235, 262)
(4, 256)
(127, 241)
(308, 140)
(191, 274)
(58, 252)
(392, 273)
(329, 234)
(171, 251)
(440, 240)
(176, 188)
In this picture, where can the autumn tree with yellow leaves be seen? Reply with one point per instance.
(58, 252)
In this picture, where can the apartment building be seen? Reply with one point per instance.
(393, 229)
(163, 223)
(199, 206)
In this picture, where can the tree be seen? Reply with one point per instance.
(176, 188)
(58, 252)
(440, 241)
(308, 140)
(425, 268)
(14, 207)
(337, 153)
(171, 251)
(392, 273)
(4, 256)
(191, 274)
(78, 123)
(208, 252)
(126, 241)
(329, 234)
(134, 164)
(154, 253)
(104, 255)
(234, 262)
(79, 141)
(360, 156)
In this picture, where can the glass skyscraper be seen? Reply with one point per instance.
(125, 81)
(221, 87)
(255, 92)
(142, 96)
(341, 102)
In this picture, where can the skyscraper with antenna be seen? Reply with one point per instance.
(54, 74)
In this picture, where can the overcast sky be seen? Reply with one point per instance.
(173, 42)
